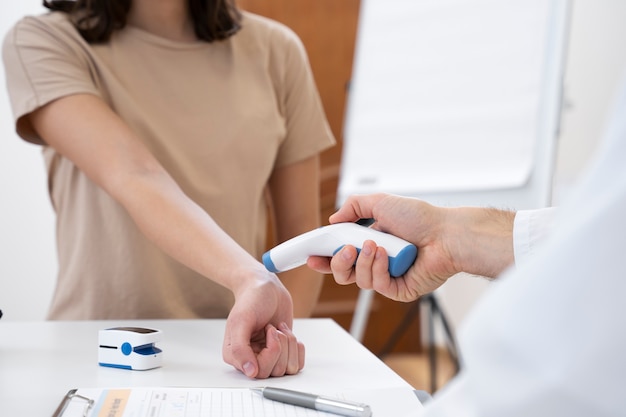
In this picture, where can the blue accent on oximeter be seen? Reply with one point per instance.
(127, 348)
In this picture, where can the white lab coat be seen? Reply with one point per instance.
(530, 230)
(549, 339)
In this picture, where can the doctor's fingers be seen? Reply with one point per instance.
(365, 264)
(342, 265)
(356, 207)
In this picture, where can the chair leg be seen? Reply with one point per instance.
(434, 312)
(361, 314)
(432, 350)
(402, 327)
(449, 335)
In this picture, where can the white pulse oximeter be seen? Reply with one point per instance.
(129, 348)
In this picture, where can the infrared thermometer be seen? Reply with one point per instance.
(328, 240)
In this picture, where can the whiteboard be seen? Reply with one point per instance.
(447, 95)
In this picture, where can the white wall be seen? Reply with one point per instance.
(27, 253)
(595, 67)
(596, 63)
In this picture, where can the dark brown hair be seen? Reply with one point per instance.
(96, 19)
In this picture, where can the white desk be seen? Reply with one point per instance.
(41, 361)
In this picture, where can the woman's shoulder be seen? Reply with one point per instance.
(52, 21)
(44, 27)
(268, 29)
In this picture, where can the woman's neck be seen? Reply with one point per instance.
(166, 18)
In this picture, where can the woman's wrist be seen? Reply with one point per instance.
(244, 277)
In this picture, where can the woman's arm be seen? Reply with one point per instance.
(295, 197)
(85, 130)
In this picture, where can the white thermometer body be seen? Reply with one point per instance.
(327, 240)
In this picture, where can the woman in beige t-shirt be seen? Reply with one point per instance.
(164, 126)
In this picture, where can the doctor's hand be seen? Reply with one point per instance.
(449, 240)
(258, 339)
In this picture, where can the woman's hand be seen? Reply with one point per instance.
(258, 339)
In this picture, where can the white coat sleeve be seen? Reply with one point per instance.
(530, 229)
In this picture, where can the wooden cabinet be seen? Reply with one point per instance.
(328, 30)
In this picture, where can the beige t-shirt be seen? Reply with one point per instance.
(219, 116)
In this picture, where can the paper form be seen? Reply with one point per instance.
(215, 402)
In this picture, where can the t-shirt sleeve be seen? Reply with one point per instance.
(43, 62)
(307, 129)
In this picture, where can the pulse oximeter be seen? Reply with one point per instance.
(129, 348)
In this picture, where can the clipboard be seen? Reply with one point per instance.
(226, 401)
(73, 396)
